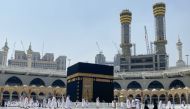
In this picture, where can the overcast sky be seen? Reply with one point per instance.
(72, 27)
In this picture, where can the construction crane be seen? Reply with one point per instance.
(151, 47)
(43, 49)
(116, 47)
(13, 50)
(69, 62)
(23, 46)
(100, 51)
(134, 47)
(146, 41)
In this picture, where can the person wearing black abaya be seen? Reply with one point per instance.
(146, 105)
(155, 105)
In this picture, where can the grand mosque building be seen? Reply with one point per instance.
(142, 76)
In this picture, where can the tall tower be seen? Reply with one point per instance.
(160, 41)
(100, 59)
(125, 19)
(29, 56)
(5, 53)
(180, 62)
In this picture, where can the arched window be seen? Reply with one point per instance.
(162, 97)
(24, 94)
(154, 98)
(176, 99)
(37, 82)
(147, 98)
(33, 95)
(58, 83)
(15, 96)
(58, 96)
(183, 98)
(134, 85)
(130, 95)
(6, 95)
(177, 84)
(12, 81)
(155, 85)
(116, 85)
(170, 97)
(49, 95)
(41, 95)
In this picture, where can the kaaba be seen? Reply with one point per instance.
(89, 81)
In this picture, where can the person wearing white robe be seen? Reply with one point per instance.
(122, 105)
(133, 104)
(97, 102)
(7, 104)
(49, 103)
(76, 104)
(137, 104)
(86, 104)
(62, 102)
(53, 103)
(44, 103)
(31, 102)
(37, 104)
(68, 103)
(128, 104)
(113, 104)
(21, 102)
(83, 103)
(160, 106)
(26, 102)
(169, 105)
(58, 103)
(183, 105)
(164, 105)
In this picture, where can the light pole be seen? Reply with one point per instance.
(187, 59)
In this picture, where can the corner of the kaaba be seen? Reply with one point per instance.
(90, 81)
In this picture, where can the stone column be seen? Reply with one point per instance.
(173, 99)
(180, 99)
(10, 97)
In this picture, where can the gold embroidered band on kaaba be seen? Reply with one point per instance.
(91, 75)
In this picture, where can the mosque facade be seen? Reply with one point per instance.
(142, 76)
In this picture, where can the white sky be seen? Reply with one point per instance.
(72, 27)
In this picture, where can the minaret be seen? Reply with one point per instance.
(29, 56)
(159, 14)
(125, 19)
(5, 53)
(180, 62)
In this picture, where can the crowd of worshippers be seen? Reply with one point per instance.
(66, 103)
(130, 103)
(165, 105)
(133, 103)
(52, 102)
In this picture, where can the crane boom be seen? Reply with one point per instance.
(22, 46)
(13, 50)
(147, 41)
(100, 51)
(116, 47)
(43, 49)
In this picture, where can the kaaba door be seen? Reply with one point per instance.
(87, 90)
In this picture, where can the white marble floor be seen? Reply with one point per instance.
(176, 107)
